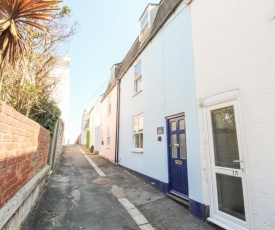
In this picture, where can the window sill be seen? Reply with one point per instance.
(137, 93)
(137, 151)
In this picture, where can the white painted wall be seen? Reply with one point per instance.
(168, 89)
(109, 120)
(83, 134)
(92, 127)
(97, 132)
(62, 92)
(234, 48)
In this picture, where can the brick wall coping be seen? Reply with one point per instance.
(20, 117)
(14, 203)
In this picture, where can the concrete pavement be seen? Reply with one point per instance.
(78, 196)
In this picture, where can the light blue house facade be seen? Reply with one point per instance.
(158, 122)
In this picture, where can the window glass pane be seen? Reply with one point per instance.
(136, 140)
(173, 147)
(230, 195)
(173, 126)
(135, 87)
(135, 124)
(138, 68)
(183, 154)
(181, 124)
(140, 84)
(144, 20)
(225, 137)
(140, 123)
(141, 140)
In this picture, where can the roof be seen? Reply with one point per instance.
(112, 83)
(165, 10)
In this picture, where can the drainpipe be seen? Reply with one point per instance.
(117, 121)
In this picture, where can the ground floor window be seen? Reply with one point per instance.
(108, 137)
(138, 132)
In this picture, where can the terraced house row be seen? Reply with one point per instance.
(191, 108)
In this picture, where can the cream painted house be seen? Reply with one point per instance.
(84, 128)
(234, 56)
(97, 131)
(90, 142)
(109, 115)
(62, 93)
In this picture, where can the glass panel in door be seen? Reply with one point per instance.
(230, 195)
(227, 164)
(225, 138)
(174, 145)
(183, 152)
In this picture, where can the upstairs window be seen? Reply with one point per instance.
(138, 132)
(109, 105)
(138, 77)
(144, 24)
(113, 72)
(108, 137)
(146, 20)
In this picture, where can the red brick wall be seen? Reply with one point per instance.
(24, 146)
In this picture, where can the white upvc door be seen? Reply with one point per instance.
(227, 166)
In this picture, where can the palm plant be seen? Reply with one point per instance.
(16, 19)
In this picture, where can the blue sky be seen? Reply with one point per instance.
(107, 29)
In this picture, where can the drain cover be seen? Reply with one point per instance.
(100, 181)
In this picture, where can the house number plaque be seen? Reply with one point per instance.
(160, 130)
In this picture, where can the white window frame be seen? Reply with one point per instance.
(138, 132)
(222, 100)
(138, 77)
(108, 139)
(109, 105)
(113, 71)
(144, 25)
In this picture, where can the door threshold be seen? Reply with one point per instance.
(178, 199)
(218, 223)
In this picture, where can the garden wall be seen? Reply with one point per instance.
(24, 147)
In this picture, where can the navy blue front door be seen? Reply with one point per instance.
(177, 156)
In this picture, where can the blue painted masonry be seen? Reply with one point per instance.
(168, 88)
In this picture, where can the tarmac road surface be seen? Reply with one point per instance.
(78, 196)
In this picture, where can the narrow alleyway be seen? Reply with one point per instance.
(77, 197)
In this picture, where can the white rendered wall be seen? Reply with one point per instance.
(92, 127)
(234, 48)
(97, 113)
(109, 120)
(62, 93)
(168, 89)
(83, 134)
